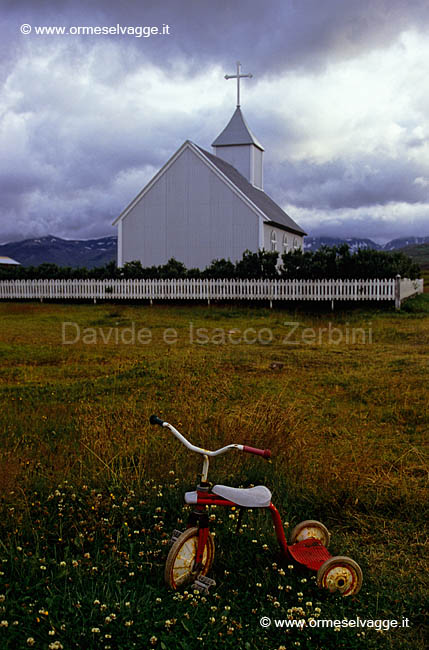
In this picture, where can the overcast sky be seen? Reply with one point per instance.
(339, 100)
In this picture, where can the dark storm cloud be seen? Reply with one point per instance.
(273, 35)
(358, 181)
(80, 137)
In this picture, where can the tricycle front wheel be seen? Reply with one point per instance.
(179, 567)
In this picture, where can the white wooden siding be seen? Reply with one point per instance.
(258, 168)
(189, 214)
(279, 235)
(239, 156)
(247, 158)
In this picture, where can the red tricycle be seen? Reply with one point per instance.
(192, 551)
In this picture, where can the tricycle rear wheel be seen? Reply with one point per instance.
(310, 529)
(341, 574)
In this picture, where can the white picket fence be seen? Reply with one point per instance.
(272, 290)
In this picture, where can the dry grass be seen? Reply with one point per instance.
(347, 423)
(352, 417)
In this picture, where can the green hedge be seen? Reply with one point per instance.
(335, 262)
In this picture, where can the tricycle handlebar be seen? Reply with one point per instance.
(265, 453)
(154, 419)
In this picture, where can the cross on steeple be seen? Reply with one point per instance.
(238, 76)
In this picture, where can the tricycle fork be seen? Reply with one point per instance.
(199, 518)
(278, 526)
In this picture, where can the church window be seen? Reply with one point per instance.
(295, 243)
(284, 243)
(273, 240)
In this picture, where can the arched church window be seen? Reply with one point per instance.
(285, 243)
(295, 243)
(273, 240)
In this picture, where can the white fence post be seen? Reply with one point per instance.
(398, 292)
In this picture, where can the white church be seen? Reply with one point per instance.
(203, 206)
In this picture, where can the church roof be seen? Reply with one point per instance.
(236, 132)
(262, 201)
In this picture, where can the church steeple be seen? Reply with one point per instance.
(236, 132)
(238, 146)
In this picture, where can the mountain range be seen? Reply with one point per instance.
(63, 252)
(314, 243)
(98, 252)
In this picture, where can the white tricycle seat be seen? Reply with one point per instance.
(255, 497)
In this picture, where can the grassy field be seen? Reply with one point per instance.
(90, 492)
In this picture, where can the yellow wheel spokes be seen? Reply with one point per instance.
(184, 562)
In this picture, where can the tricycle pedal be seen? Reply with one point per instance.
(175, 536)
(203, 584)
